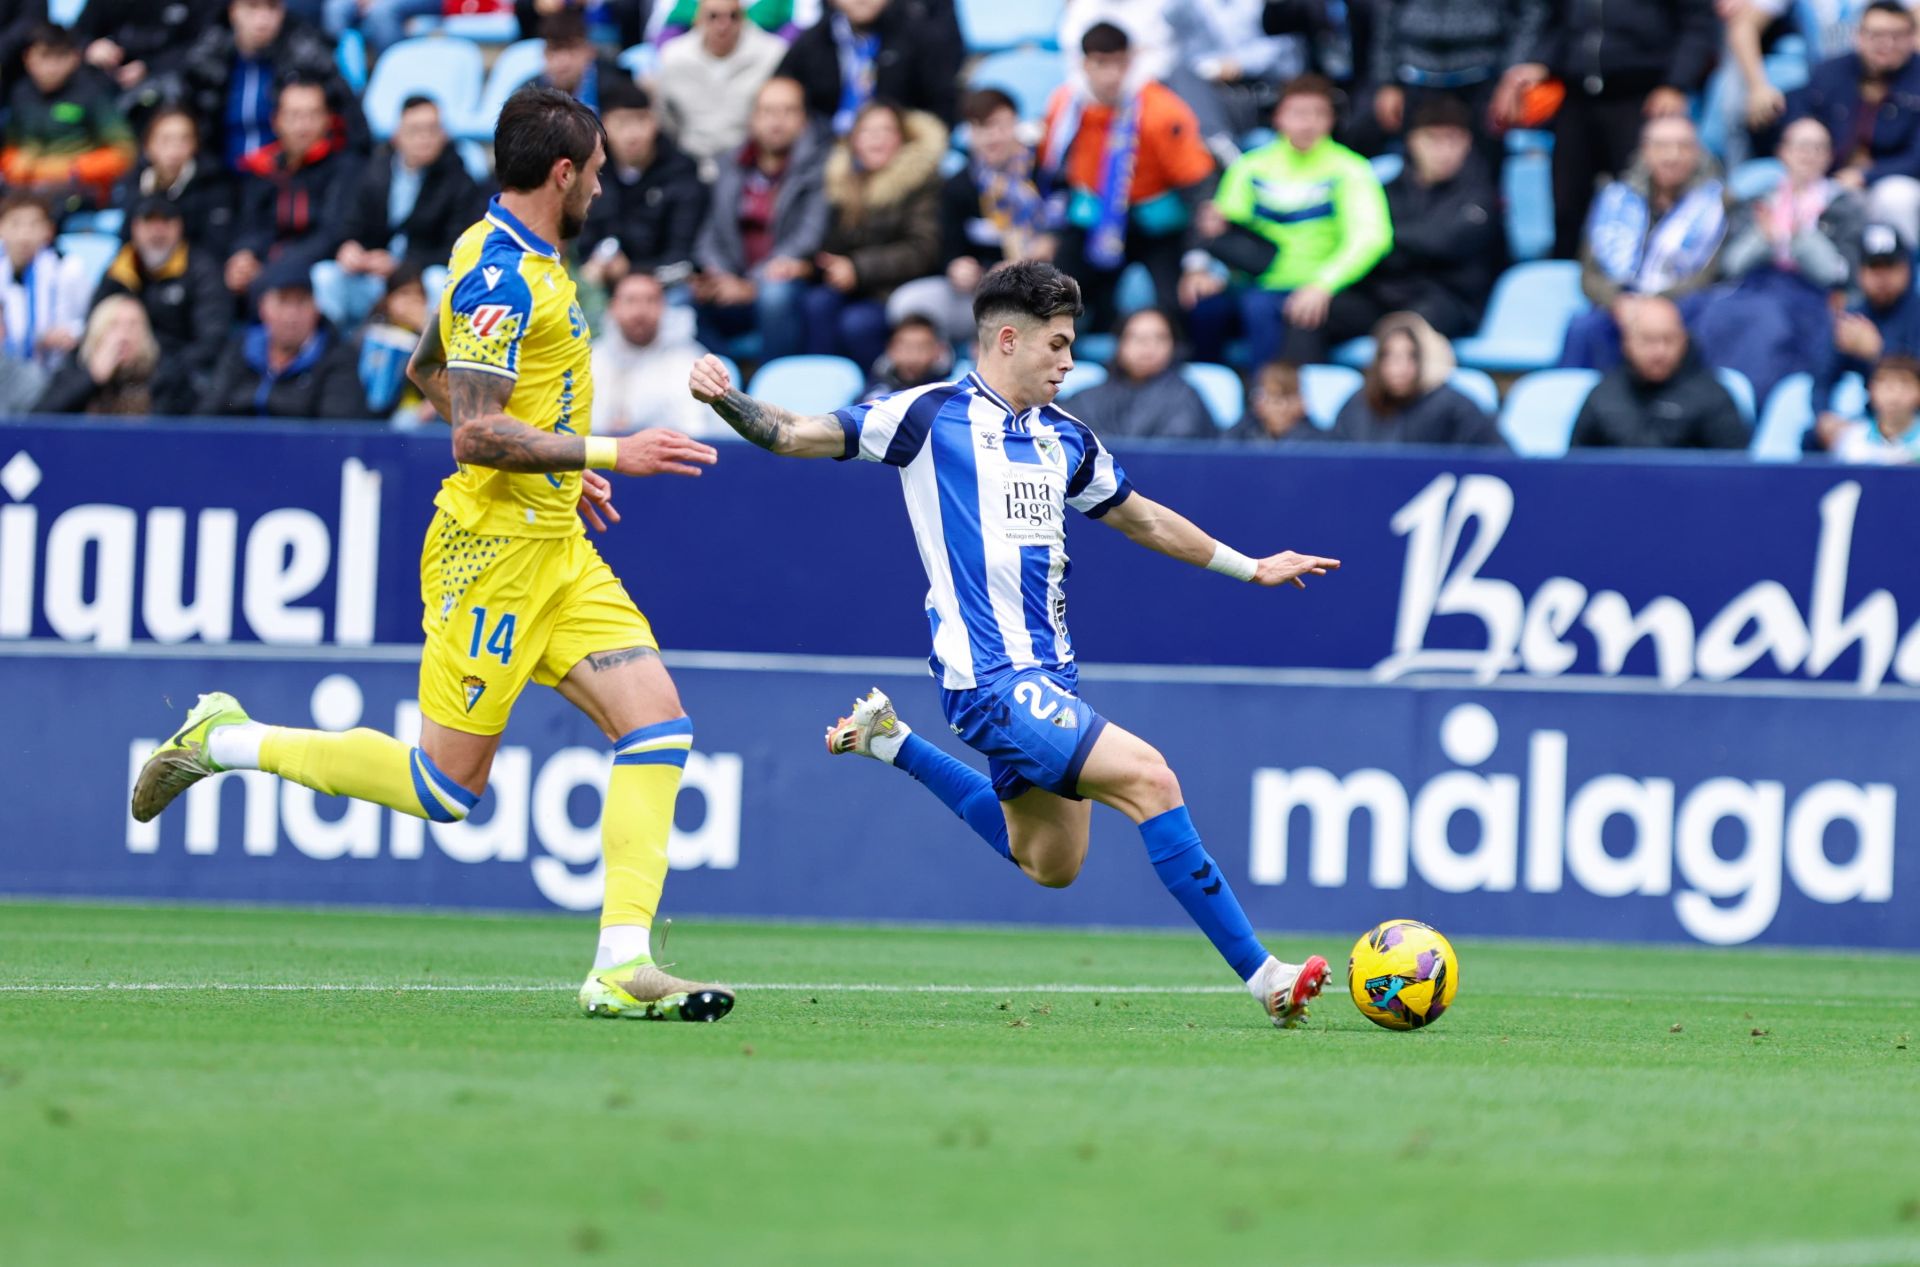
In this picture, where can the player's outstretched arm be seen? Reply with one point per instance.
(774, 429)
(1152, 525)
(485, 435)
(427, 367)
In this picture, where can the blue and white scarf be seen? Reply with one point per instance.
(858, 54)
(1107, 238)
(1679, 246)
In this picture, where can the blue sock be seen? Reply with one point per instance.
(1174, 848)
(960, 787)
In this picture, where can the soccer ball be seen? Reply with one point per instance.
(1402, 975)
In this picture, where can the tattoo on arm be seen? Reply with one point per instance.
(428, 369)
(483, 434)
(780, 430)
(601, 661)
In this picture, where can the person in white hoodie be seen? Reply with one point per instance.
(641, 361)
(708, 77)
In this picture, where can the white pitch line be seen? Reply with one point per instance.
(1805, 1254)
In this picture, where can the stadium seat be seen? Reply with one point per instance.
(1526, 182)
(1221, 388)
(1134, 290)
(350, 58)
(640, 61)
(1083, 375)
(110, 220)
(447, 69)
(1324, 388)
(1788, 414)
(1742, 392)
(1028, 75)
(992, 26)
(95, 250)
(809, 384)
(1355, 352)
(1755, 177)
(518, 63)
(1386, 167)
(1477, 386)
(1097, 348)
(1849, 396)
(1526, 319)
(473, 156)
(1541, 408)
(481, 28)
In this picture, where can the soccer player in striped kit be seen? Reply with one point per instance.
(989, 466)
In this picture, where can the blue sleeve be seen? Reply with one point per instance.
(487, 315)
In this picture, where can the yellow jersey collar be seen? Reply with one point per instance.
(518, 231)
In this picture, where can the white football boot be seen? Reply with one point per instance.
(1285, 989)
(872, 729)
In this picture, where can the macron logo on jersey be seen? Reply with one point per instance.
(492, 275)
(486, 318)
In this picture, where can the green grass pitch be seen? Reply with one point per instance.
(1639, 1107)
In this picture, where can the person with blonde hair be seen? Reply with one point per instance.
(112, 373)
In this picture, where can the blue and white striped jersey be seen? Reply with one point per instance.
(987, 490)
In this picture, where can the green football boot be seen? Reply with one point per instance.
(183, 760)
(639, 990)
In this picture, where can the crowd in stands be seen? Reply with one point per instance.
(1267, 185)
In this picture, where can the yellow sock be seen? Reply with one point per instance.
(638, 818)
(367, 766)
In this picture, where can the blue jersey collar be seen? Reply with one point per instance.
(527, 238)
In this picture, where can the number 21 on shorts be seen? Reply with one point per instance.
(499, 643)
(1034, 696)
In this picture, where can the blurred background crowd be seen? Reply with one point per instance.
(1532, 224)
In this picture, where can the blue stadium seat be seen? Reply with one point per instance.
(1386, 166)
(447, 69)
(1355, 352)
(1541, 408)
(350, 58)
(809, 384)
(1324, 388)
(95, 250)
(640, 61)
(1527, 317)
(519, 62)
(1220, 387)
(1477, 386)
(1028, 75)
(1849, 396)
(109, 220)
(1526, 182)
(1755, 177)
(1097, 348)
(473, 156)
(1788, 414)
(992, 26)
(1742, 392)
(1134, 290)
(1083, 375)
(481, 28)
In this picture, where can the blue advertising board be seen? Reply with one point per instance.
(1649, 699)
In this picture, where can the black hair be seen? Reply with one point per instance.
(1032, 289)
(171, 110)
(983, 103)
(564, 27)
(1104, 37)
(301, 79)
(915, 321)
(1891, 7)
(51, 37)
(24, 199)
(621, 93)
(418, 99)
(1311, 85)
(537, 127)
(1441, 111)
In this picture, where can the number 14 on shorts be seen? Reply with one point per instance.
(499, 643)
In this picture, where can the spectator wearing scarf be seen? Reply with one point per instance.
(1787, 252)
(1126, 165)
(991, 213)
(866, 50)
(1657, 230)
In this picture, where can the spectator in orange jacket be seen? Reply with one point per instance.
(65, 139)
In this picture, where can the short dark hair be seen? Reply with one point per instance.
(21, 199)
(1441, 111)
(417, 100)
(537, 127)
(1120, 326)
(915, 321)
(565, 27)
(171, 110)
(51, 37)
(983, 103)
(1897, 364)
(621, 93)
(1893, 8)
(1311, 85)
(301, 79)
(156, 207)
(1104, 37)
(1032, 289)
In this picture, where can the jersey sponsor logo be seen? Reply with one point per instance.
(1031, 505)
(486, 318)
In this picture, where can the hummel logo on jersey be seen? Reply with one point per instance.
(989, 439)
(492, 275)
(486, 318)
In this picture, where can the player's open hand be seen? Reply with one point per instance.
(661, 451)
(709, 380)
(1286, 568)
(596, 501)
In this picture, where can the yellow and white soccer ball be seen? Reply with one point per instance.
(1402, 975)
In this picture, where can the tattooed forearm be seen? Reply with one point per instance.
(601, 661)
(428, 370)
(781, 430)
(483, 434)
(766, 425)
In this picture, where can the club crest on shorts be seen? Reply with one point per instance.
(1065, 719)
(475, 687)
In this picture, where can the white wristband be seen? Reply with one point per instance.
(1230, 562)
(603, 453)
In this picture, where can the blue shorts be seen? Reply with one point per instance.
(1032, 729)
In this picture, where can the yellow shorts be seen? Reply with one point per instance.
(501, 610)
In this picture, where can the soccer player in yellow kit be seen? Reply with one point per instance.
(512, 590)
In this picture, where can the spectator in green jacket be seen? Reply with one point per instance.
(1320, 209)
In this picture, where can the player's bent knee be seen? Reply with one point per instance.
(663, 743)
(1053, 874)
(441, 799)
(1156, 788)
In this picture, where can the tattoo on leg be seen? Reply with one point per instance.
(600, 661)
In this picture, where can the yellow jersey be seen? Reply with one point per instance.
(509, 308)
